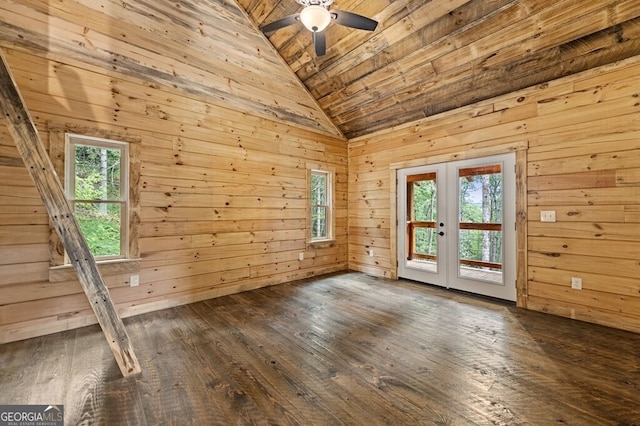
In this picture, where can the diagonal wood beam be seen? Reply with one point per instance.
(38, 163)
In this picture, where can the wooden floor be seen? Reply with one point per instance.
(340, 349)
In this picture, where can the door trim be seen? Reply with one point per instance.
(520, 148)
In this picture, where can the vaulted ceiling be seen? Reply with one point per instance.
(430, 56)
(425, 57)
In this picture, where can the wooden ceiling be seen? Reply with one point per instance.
(425, 57)
(430, 56)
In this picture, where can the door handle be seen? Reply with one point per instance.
(441, 233)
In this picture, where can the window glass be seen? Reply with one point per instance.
(97, 189)
(320, 205)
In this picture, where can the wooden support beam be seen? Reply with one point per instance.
(38, 163)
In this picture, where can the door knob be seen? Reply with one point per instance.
(441, 224)
(441, 233)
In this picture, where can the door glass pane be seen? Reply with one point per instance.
(422, 208)
(480, 223)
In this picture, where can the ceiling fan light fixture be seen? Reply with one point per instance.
(315, 18)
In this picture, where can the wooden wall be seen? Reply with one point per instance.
(223, 166)
(223, 197)
(583, 161)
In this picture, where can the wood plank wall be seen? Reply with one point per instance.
(583, 161)
(223, 192)
(223, 198)
(208, 48)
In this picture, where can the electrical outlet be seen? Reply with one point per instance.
(548, 216)
(576, 283)
(370, 253)
(301, 256)
(134, 281)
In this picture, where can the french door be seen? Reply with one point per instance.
(456, 225)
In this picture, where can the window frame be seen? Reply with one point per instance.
(314, 169)
(59, 270)
(71, 141)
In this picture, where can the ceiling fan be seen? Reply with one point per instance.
(316, 16)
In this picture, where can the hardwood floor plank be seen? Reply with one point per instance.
(232, 387)
(48, 357)
(353, 340)
(265, 353)
(85, 403)
(167, 368)
(345, 348)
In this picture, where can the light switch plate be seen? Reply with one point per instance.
(134, 280)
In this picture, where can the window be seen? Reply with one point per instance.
(321, 215)
(96, 184)
(101, 170)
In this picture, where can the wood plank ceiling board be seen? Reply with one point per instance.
(207, 49)
(428, 56)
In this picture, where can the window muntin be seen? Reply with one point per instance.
(321, 205)
(96, 183)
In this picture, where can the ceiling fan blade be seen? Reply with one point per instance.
(353, 20)
(281, 23)
(320, 43)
